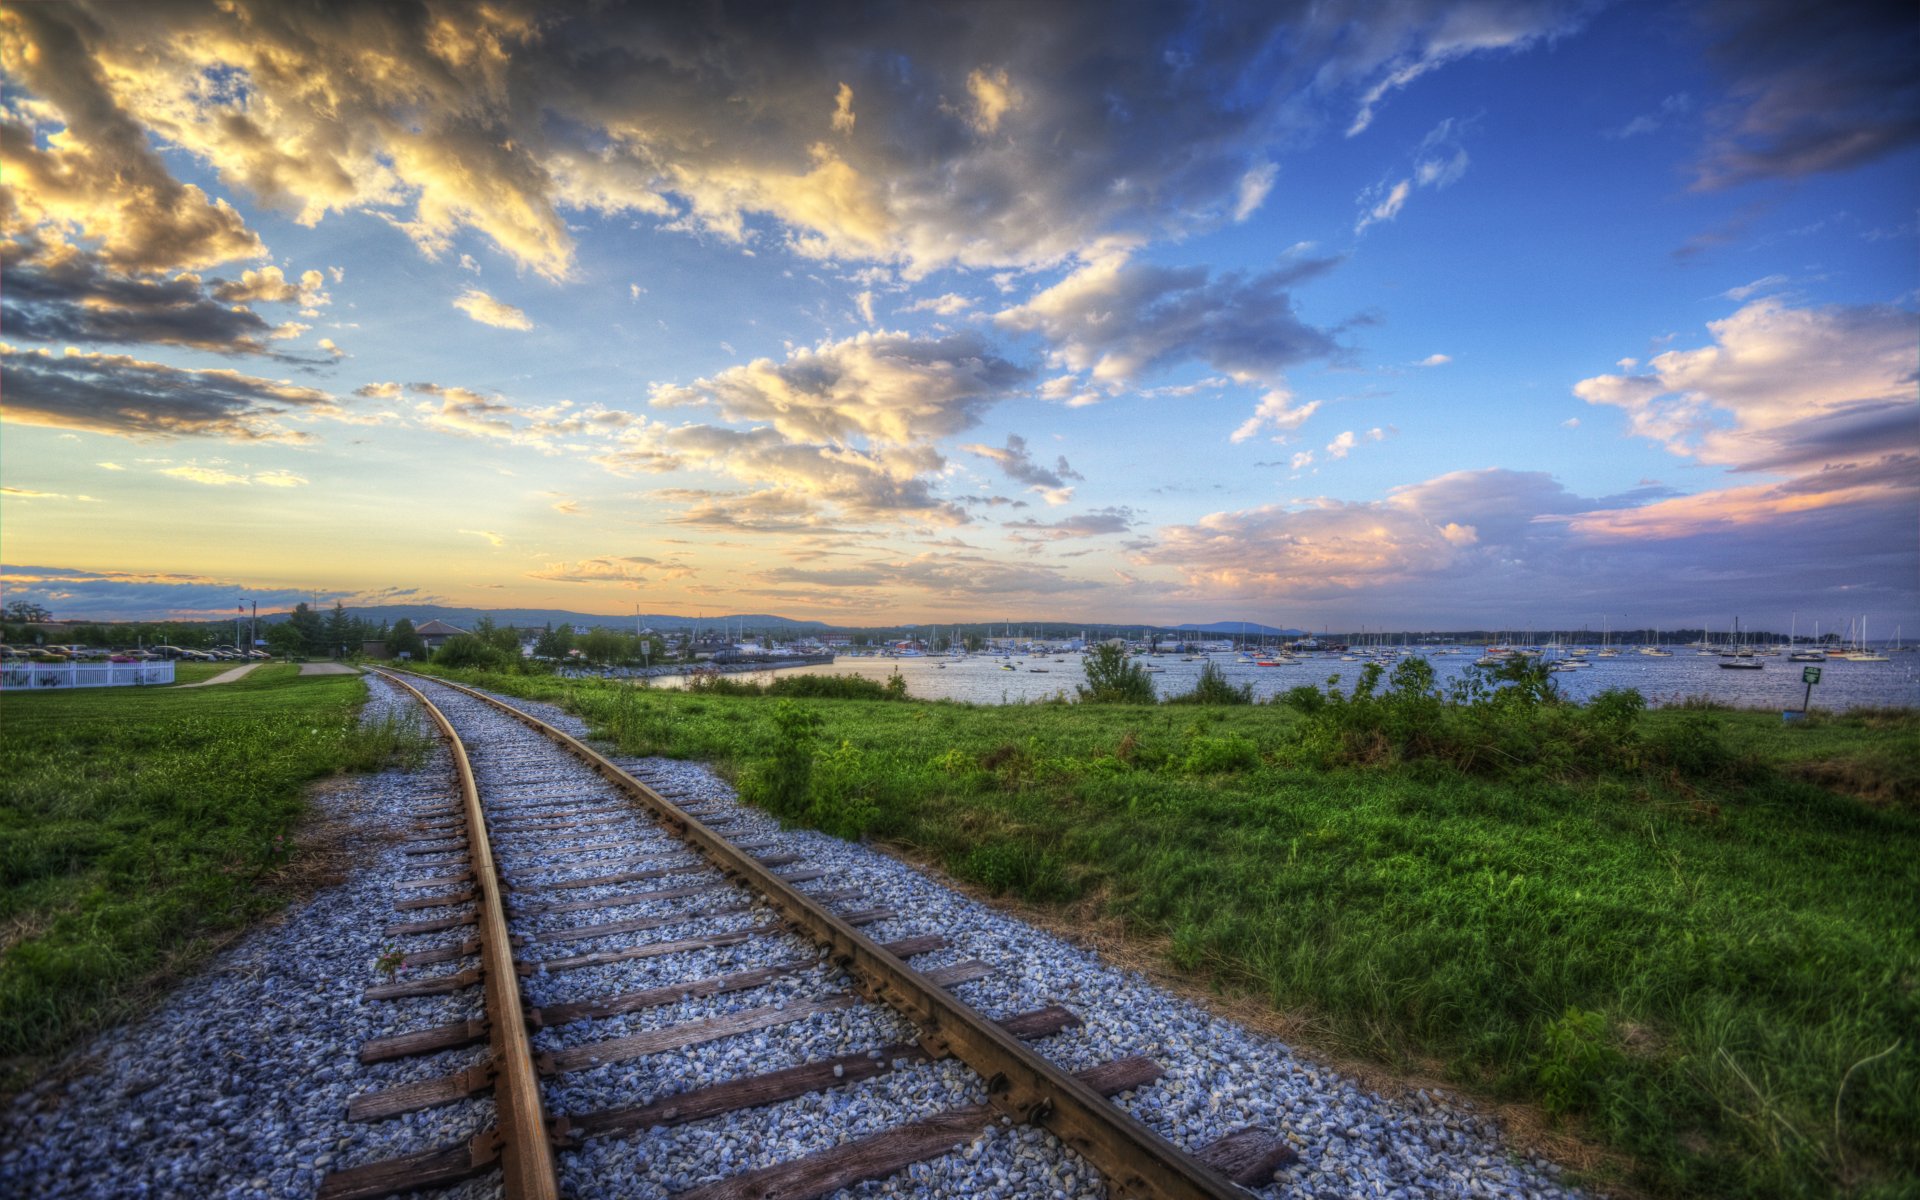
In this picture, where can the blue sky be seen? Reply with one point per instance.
(1430, 316)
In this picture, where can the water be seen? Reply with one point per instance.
(1777, 685)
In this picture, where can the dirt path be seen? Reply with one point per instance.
(326, 668)
(223, 677)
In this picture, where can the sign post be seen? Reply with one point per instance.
(1809, 676)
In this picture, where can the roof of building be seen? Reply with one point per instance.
(438, 629)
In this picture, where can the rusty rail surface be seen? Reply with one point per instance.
(1135, 1160)
(520, 1136)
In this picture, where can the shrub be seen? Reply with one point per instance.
(1304, 699)
(1213, 688)
(828, 687)
(466, 650)
(1578, 1056)
(1215, 755)
(1113, 679)
(841, 802)
(782, 781)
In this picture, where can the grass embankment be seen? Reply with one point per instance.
(140, 825)
(1649, 924)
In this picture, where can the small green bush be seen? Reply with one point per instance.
(1114, 679)
(1578, 1056)
(1213, 688)
(1216, 755)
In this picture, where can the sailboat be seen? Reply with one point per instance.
(1740, 658)
(1862, 653)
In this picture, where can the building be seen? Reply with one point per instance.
(436, 633)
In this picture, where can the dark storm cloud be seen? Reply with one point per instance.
(1810, 87)
(67, 295)
(117, 394)
(922, 135)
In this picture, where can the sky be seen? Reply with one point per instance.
(1409, 316)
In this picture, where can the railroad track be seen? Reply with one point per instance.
(552, 860)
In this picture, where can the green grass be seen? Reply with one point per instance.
(1670, 935)
(138, 825)
(196, 672)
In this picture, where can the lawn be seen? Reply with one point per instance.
(139, 825)
(1666, 929)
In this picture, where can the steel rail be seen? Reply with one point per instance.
(526, 1154)
(1135, 1160)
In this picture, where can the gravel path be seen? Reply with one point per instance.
(235, 1087)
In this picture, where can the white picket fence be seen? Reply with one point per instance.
(33, 676)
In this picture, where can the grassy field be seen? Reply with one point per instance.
(1664, 928)
(139, 825)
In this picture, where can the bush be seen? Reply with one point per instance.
(835, 687)
(1216, 755)
(1113, 679)
(466, 650)
(782, 781)
(841, 802)
(1213, 688)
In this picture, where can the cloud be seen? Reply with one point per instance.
(887, 388)
(864, 302)
(100, 180)
(1255, 186)
(210, 476)
(481, 118)
(801, 484)
(1276, 409)
(116, 394)
(947, 305)
(1435, 360)
(121, 595)
(1781, 389)
(1570, 423)
(488, 311)
(962, 576)
(1325, 548)
(630, 570)
(1746, 291)
(1808, 91)
(1438, 163)
(281, 479)
(1118, 320)
(1016, 462)
(843, 118)
(1098, 523)
(486, 535)
(1428, 37)
(270, 285)
(1676, 105)
(16, 493)
(1341, 445)
(1300, 459)
(58, 293)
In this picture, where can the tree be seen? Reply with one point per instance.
(339, 630)
(311, 626)
(1113, 679)
(25, 611)
(975, 643)
(403, 640)
(283, 638)
(554, 643)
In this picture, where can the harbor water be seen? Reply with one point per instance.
(984, 679)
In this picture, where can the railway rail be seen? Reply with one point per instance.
(554, 821)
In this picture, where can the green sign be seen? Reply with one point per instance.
(1810, 675)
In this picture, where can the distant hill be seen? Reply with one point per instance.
(525, 618)
(1253, 628)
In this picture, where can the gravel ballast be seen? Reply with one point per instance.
(236, 1085)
